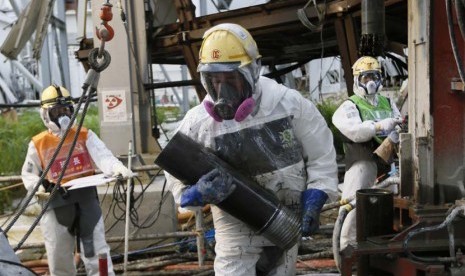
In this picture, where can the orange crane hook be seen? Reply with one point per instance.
(106, 33)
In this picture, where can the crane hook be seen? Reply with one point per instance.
(106, 33)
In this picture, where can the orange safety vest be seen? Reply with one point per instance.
(80, 163)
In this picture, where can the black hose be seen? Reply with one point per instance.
(453, 41)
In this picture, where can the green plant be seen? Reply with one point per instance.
(92, 120)
(166, 113)
(14, 138)
(327, 109)
(5, 200)
(161, 117)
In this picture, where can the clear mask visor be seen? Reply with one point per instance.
(217, 81)
(370, 81)
(58, 111)
(61, 115)
(228, 90)
(367, 76)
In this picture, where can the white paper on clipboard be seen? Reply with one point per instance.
(88, 181)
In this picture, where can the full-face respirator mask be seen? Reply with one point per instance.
(231, 95)
(369, 82)
(61, 115)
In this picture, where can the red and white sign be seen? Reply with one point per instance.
(79, 164)
(114, 106)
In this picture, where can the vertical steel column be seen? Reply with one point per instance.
(420, 121)
(200, 236)
(63, 44)
(347, 48)
(186, 15)
(128, 210)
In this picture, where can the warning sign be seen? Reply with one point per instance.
(114, 106)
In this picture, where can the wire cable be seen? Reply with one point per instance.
(57, 186)
(44, 172)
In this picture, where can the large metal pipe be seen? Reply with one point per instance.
(257, 207)
(373, 17)
(375, 213)
(373, 28)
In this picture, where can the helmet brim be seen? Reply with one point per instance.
(218, 67)
(374, 71)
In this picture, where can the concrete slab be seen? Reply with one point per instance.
(153, 212)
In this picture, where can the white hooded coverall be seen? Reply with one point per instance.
(362, 173)
(59, 243)
(286, 147)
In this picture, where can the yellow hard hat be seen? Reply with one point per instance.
(53, 95)
(365, 63)
(228, 43)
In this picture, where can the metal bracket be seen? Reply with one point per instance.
(457, 85)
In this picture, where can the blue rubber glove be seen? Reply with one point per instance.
(212, 188)
(312, 202)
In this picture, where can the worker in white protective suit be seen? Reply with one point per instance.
(365, 119)
(76, 212)
(266, 131)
